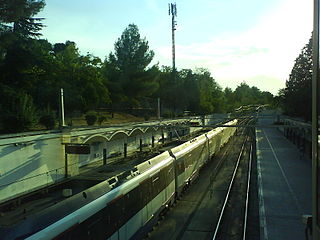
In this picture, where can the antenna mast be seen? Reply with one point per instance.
(173, 13)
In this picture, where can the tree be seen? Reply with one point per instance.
(126, 68)
(18, 16)
(296, 97)
(229, 99)
(81, 77)
(132, 53)
(22, 114)
(18, 27)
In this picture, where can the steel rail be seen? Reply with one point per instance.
(247, 195)
(229, 190)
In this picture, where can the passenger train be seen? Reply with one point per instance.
(127, 205)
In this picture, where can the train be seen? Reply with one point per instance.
(127, 205)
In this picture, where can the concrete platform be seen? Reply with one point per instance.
(284, 181)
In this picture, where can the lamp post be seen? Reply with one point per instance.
(62, 108)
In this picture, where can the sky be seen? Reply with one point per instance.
(252, 41)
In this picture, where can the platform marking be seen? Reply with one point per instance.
(284, 175)
(262, 212)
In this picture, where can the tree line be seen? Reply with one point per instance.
(33, 70)
(296, 98)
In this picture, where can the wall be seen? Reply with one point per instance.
(24, 164)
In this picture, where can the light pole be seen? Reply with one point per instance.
(62, 108)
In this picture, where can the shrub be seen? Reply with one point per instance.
(48, 118)
(48, 121)
(12, 124)
(101, 119)
(91, 118)
(22, 115)
(146, 116)
(167, 114)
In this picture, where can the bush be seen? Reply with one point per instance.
(12, 124)
(101, 119)
(167, 114)
(91, 118)
(146, 116)
(48, 121)
(22, 115)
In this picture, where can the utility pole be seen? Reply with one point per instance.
(173, 13)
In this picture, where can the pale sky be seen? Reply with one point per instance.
(254, 41)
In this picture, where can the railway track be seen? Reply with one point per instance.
(207, 210)
(233, 217)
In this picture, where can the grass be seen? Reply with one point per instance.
(116, 119)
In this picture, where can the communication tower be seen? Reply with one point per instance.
(173, 13)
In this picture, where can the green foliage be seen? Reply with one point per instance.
(295, 98)
(48, 121)
(91, 118)
(167, 114)
(18, 17)
(48, 118)
(21, 116)
(198, 92)
(101, 119)
(146, 117)
(129, 80)
(34, 70)
(132, 53)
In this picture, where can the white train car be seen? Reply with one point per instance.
(189, 158)
(121, 212)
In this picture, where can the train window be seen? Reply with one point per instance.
(116, 213)
(96, 228)
(170, 174)
(163, 177)
(155, 185)
(167, 175)
(133, 202)
(145, 191)
(111, 224)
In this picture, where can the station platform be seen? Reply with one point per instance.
(284, 183)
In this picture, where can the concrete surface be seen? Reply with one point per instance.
(284, 181)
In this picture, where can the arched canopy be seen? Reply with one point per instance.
(96, 138)
(136, 131)
(118, 135)
(151, 129)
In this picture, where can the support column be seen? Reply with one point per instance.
(104, 156)
(152, 141)
(125, 145)
(140, 146)
(65, 165)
